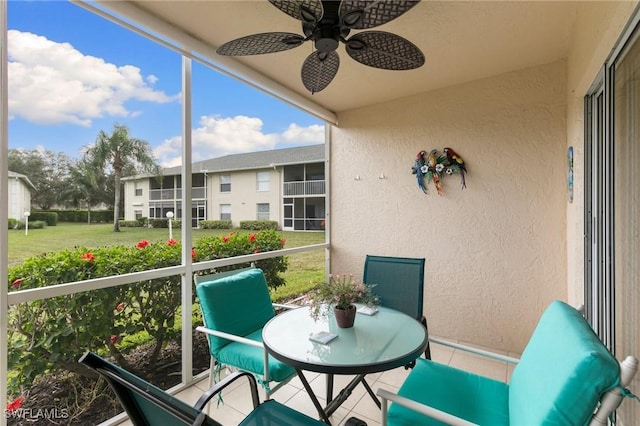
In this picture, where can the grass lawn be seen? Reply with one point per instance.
(304, 268)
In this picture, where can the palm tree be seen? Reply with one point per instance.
(118, 150)
(87, 185)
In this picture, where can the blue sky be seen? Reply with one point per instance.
(72, 74)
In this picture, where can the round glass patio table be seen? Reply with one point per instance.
(379, 342)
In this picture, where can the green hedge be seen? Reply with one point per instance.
(50, 335)
(141, 222)
(129, 224)
(13, 223)
(258, 225)
(164, 223)
(215, 224)
(51, 218)
(97, 216)
(33, 224)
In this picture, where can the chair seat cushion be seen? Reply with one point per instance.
(251, 358)
(474, 398)
(272, 413)
(563, 371)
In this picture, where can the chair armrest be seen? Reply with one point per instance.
(219, 387)
(476, 351)
(243, 340)
(434, 413)
(230, 337)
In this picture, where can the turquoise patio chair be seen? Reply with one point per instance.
(399, 284)
(235, 306)
(148, 405)
(566, 376)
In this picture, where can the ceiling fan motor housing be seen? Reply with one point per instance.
(326, 38)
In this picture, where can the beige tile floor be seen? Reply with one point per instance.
(237, 399)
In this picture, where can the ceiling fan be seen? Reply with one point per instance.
(327, 23)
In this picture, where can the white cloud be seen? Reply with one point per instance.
(217, 136)
(52, 83)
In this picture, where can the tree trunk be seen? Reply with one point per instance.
(116, 207)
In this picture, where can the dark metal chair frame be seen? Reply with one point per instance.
(132, 390)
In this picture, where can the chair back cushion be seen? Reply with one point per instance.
(562, 373)
(237, 304)
(398, 282)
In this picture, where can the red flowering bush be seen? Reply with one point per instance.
(235, 244)
(15, 404)
(52, 334)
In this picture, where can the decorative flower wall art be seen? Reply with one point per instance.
(433, 167)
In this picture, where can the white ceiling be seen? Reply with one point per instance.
(461, 40)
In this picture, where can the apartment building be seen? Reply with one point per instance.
(284, 185)
(19, 195)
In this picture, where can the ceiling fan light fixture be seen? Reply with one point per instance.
(326, 39)
(326, 44)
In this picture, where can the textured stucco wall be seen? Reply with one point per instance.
(495, 252)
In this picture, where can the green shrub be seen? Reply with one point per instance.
(164, 223)
(142, 221)
(238, 244)
(129, 224)
(97, 216)
(33, 224)
(51, 218)
(259, 225)
(215, 224)
(13, 223)
(50, 335)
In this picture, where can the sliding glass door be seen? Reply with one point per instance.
(612, 205)
(626, 209)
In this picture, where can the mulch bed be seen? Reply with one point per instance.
(69, 399)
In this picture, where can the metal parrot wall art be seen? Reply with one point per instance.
(433, 167)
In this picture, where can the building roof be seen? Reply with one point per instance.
(252, 160)
(23, 177)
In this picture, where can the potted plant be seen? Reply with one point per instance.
(340, 293)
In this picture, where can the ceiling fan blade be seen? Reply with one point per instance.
(257, 44)
(384, 50)
(363, 14)
(319, 69)
(303, 10)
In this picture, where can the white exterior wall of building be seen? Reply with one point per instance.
(133, 202)
(19, 198)
(244, 195)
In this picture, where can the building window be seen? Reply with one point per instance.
(225, 183)
(225, 211)
(138, 214)
(263, 211)
(138, 189)
(262, 181)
